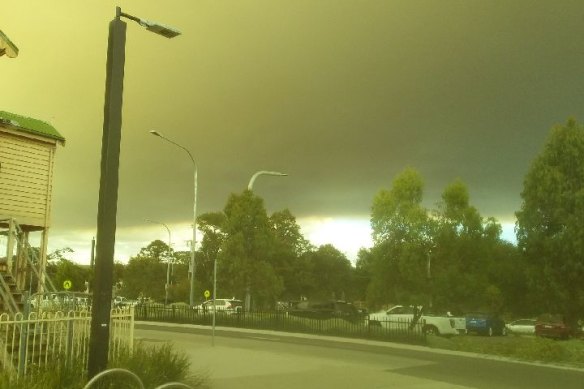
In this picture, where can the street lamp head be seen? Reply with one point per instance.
(156, 133)
(160, 29)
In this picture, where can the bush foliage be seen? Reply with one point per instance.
(154, 365)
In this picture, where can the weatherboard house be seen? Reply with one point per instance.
(27, 153)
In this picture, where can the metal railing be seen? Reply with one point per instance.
(134, 377)
(41, 337)
(32, 259)
(357, 326)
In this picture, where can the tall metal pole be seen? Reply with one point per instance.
(194, 242)
(193, 266)
(108, 198)
(214, 299)
(108, 187)
(250, 188)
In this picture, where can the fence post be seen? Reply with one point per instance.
(69, 342)
(22, 351)
(131, 344)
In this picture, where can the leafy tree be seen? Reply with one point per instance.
(211, 225)
(332, 272)
(402, 237)
(145, 274)
(448, 259)
(247, 255)
(397, 214)
(549, 226)
(289, 248)
(60, 269)
(458, 274)
(467, 256)
(287, 233)
(362, 273)
(156, 250)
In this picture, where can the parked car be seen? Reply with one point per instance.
(63, 301)
(554, 326)
(229, 306)
(326, 310)
(485, 323)
(121, 302)
(522, 326)
(402, 317)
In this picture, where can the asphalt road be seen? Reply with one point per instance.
(267, 359)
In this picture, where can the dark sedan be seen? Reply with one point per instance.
(485, 324)
(327, 310)
(554, 326)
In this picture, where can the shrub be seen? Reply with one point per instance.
(154, 365)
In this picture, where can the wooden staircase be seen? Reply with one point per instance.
(19, 262)
(10, 288)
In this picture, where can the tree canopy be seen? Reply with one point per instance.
(549, 227)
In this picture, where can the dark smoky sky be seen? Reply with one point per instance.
(341, 95)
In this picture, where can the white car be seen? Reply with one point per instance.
(223, 305)
(400, 317)
(522, 326)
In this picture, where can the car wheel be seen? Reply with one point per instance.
(431, 330)
(490, 331)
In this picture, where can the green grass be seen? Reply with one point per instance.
(524, 348)
(155, 365)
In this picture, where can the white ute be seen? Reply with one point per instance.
(397, 316)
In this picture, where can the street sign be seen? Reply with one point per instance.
(207, 294)
(67, 284)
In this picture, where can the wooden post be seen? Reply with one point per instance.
(43, 261)
(10, 249)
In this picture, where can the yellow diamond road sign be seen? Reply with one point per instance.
(67, 284)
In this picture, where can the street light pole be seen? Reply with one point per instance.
(108, 188)
(214, 298)
(193, 266)
(169, 256)
(250, 188)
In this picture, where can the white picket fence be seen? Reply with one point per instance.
(44, 336)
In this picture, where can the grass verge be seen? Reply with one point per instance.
(524, 348)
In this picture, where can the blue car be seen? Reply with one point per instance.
(485, 324)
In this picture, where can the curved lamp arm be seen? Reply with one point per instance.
(262, 172)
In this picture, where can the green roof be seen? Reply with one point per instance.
(30, 125)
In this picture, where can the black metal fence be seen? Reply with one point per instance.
(353, 327)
